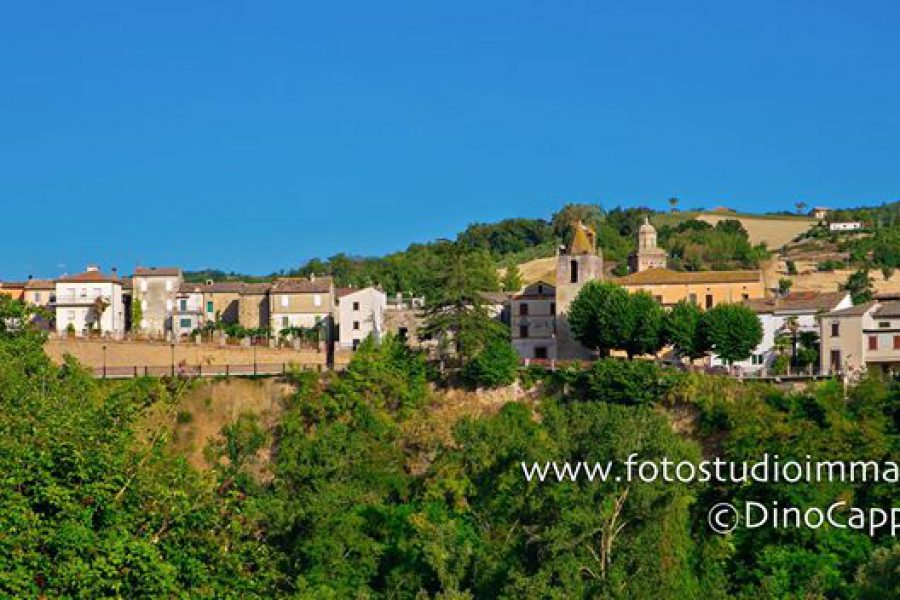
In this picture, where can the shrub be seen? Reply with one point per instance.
(495, 366)
(628, 382)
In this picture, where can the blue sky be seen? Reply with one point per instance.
(253, 136)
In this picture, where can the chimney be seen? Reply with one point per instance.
(209, 282)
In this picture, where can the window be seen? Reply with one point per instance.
(37, 297)
(285, 322)
(355, 325)
(709, 301)
(658, 299)
(873, 342)
(758, 359)
(284, 301)
(523, 331)
(745, 296)
(540, 289)
(835, 329)
(355, 345)
(168, 285)
(185, 323)
(553, 308)
(692, 298)
(573, 267)
(540, 352)
(897, 342)
(317, 300)
(168, 304)
(523, 309)
(356, 306)
(402, 333)
(884, 324)
(209, 306)
(183, 304)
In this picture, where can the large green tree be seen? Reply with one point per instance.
(681, 329)
(731, 330)
(599, 316)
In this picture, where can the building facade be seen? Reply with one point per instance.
(221, 301)
(155, 288)
(862, 338)
(533, 321)
(188, 314)
(300, 302)
(360, 314)
(253, 305)
(89, 301)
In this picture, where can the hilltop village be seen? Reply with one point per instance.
(157, 303)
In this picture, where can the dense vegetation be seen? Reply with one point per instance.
(371, 493)
(693, 245)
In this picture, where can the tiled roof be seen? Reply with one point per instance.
(800, 301)
(343, 291)
(190, 288)
(298, 285)
(12, 284)
(853, 311)
(157, 271)
(666, 276)
(888, 310)
(496, 297)
(40, 284)
(223, 287)
(256, 288)
(90, 277)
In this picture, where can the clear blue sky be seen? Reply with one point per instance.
(253, 136)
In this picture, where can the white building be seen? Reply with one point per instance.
(187, 314)
(90, 301)
(360, 313)
(774, 316)
(845, 226)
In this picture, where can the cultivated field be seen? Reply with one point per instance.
(775, 232)
(158, 354)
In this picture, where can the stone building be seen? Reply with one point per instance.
(155, 288)
(859, 339)
(532, 317)
(577, 264)
(253, 305)
(221, 301)
(648, 255)
(300, 302)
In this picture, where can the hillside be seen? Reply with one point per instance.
(775, 232)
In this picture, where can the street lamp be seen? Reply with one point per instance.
(104, 361)
(173, 358)
(252, 343)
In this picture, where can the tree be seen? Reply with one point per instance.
(589, 214)
(512, 279)
(800, 205)
(731, 330)
(137, 314)
(496, 365)
(98, 307)
(644, 325)
(599, 316)
(457, 313)
(673, 204)
(784, 285)
(859, 284)
(681, 329)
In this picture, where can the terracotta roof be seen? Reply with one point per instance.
(12, 284)
(299, 285)
(256, 288)
(190, 288)
(853, 311)
(666, 276)
(40, 284)
(343, 291)
(157, 271)
(223, 287)
(888, 310)
(90, 277)
(800, 301)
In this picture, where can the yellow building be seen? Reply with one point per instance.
(703, 288)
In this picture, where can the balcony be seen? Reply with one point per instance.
(80, 300)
